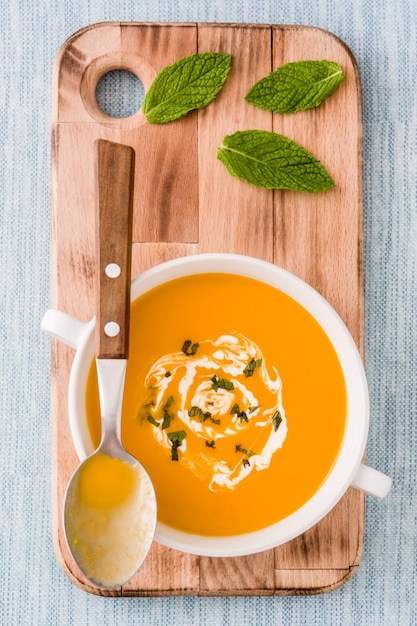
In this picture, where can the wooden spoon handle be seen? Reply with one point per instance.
(114, 212)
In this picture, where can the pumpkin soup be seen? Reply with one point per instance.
(235, 402)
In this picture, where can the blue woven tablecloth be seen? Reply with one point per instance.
(382, 35)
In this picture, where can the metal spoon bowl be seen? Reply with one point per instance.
(110, 505)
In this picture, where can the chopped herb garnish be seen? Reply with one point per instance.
(176, 439)
(222, 383)
(153, 421)
(252, 409)
(211, 444)
(207, 416)
(250, 368)
(186, 346)
(235, 410)
(239, 448)
(194, 411)
(170, 401)
(276, 419)
(151, 403)
(166, 422)
(189, 348)
(247, 453)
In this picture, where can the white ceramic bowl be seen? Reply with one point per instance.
(347, 470)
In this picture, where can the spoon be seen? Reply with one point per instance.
(110, 504)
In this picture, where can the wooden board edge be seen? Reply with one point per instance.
(72, 39)
(339, 577)
(347, 574)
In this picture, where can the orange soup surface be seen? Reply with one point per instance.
(235, 402)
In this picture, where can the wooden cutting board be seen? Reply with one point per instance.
(186, 202)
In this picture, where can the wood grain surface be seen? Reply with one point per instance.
(114, 166)
(185, 202)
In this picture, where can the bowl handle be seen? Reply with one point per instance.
(64, 327)
(371, 481)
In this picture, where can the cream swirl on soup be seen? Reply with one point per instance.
(216, 407)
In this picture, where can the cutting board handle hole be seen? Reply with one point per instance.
(120, 93)
(113, 89)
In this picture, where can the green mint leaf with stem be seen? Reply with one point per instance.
(272, 161)
(296, 86)
(190, 83)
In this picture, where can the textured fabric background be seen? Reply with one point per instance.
(382, 35)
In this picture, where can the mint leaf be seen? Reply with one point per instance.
(190, 83)
(272, 161)
(296, 86)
